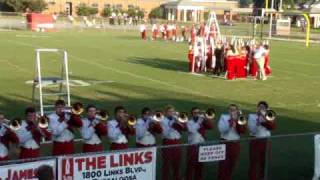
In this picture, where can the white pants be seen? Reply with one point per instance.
(261, 72)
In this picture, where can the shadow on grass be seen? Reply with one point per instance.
(160, 63)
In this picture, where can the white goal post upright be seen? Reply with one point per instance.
(41, 82)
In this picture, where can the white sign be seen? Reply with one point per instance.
(316, 157)
(212, 153)
(136, 164)
(25, 171)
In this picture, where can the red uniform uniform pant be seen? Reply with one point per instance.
(154, 35)
(194, 167)
(26, 153)
(143, 35)
(139, 145)
(227, 166)
(62, 148)
(231, 68)
(171, 160)
(241, 67)
(257, 153)
(254, 68)
(116, 146)
(191, 62)
(92, 147)
(5, 158)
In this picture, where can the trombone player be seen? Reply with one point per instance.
(6, 137)
(147, 127)
(230, 126)
(171, 135)
(30, 134)
(197, 126)
(62, 124)
(92, 129)
(120, 128)
(260, 125)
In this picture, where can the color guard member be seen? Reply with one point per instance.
(92, 130)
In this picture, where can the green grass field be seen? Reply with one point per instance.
(154, 74)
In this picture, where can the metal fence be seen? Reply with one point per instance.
(240, 25)
(287, 157)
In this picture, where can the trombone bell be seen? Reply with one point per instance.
(210, 113)
(132, 120)
(77, 108)
(270, 115)
(15, 125)
(183, 117)
(242, 120)
(43, 122)
(158, 116)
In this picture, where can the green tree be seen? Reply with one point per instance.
(157, 13)
(36, 5)
(140, 14)
(107, 12)
(84, 10)
(23, 5)
(131, 12)
(245, 3)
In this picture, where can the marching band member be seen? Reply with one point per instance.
(196, 127)
(230, 129)
(259, 56)
(92, 130)
(119, 129)
(259, 127)
(6, 137)
(171, 135)
(267, 68)
(62, 125)
(175, 33)
(191, 58)
(219, 54)
(30, 135)
(143, 31)
(146, 128)
(193, 33)
(154, 30)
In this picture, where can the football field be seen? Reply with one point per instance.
(120, 69)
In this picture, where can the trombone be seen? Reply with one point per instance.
(157, 117)
(270, 115)
(43, 122)
(76, 108)
(131, 120)
(242, 120)
(102, 115)
(182, 117)
(13, 125)
(209, 114)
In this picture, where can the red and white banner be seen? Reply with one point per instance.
(212, 153)
(134, 164)
(25, 171)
